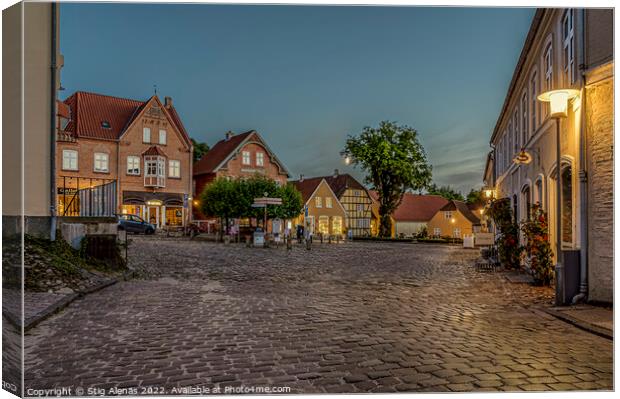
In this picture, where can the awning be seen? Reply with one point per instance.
(143, 197)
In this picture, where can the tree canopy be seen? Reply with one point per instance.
(394, 161)
(445, 191)
(229, 199)
(476, 198)
(199, 149)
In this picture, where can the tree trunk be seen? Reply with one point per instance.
(385, 230)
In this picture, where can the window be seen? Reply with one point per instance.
(524, 127)
(154, 171)
(437, 232)
(568, 47)
(324, 225)
(337, 225)
(133, 165)
(516, 131)
(318, 202)
(567, 205)
(69, 160)
(447, 215)
(457, 232)
(533, 95)
(105, 125)
(162, 137)
(328, 202)
(101, 162)
(245, 157)
(174, 168)
(259, 159)
(539, 192)
(510, 144)
(146, 135)
(548, 62)
(528, 202)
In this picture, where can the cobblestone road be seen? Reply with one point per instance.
(356, 317)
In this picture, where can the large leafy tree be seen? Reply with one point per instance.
(476, 198)
(199, 149)
(394, 161)
(222, 198)
(445, 191)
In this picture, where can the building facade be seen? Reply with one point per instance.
(116, 155)
(455, 220)
(568, 49)
(236, 156)
(356, 200)
(323, 212)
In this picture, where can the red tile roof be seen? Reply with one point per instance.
(307, 186)
(218, 153)
(416, 207)
(463, 209)
(89, 111)
(63, 110)
(338, 183)
(155, 150)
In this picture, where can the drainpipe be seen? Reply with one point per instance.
(54, 69)
(583, 178)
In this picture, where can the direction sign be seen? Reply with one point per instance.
(258, 205)
(268, 201)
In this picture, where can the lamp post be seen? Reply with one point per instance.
(558, 105)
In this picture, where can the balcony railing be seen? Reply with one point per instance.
(64, 136)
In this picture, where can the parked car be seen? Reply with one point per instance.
(134, 224)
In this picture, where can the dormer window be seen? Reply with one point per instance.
(106, 125)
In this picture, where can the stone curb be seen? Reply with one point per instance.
(55, 307)
(584, 325)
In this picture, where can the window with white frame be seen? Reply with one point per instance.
(447, 215)
(245, 157)
(328, 202)
(174, 168)
(146, 135)
(318, 202)
(534, 102)
(133, 165)
(457, 232)
(548, 62)
(510, 143)
(162, 136)
(69, 160)
(260, 159)
(437, 231)
(154, 171)
(101, 162)
(524, 119)
(568, 46)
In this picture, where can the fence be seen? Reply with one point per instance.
(90, 201)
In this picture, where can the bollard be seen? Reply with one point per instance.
(321, 237)
(309, 244)
(289, 243)
(248, 241)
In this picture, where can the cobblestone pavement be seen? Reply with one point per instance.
(355, 317)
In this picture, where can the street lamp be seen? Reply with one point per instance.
(558, 106)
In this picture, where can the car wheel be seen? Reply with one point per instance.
(149, 231)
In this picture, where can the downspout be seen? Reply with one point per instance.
(583, 178)
(54, 69)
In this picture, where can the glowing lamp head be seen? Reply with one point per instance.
(453, 220)
(347, 160)
(558, 101)
(488, 193)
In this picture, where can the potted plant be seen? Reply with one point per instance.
(538, 248)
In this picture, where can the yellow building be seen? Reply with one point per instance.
(323, 212)
(454, 220)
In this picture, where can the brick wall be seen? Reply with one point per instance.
(599, 124)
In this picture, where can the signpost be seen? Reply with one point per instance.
(262, 202)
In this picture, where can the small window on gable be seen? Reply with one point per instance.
(162, 137)
(447, 214)
(318, 202)
(146, 135)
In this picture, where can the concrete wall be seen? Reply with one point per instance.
(600, 141)
(35, 132)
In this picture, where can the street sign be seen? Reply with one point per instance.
(258, 205)
(268, 201)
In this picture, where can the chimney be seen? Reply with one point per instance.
(336, 173)
(301, 178)
(229, 134)
(167, 102)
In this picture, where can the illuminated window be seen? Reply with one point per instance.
(328, 202)
(324, 225)
(318, 202)
(447, 215)
(154, 171)
(336, 225)
(567, 205)
(437, 231)
(69, 160)
(456, 233)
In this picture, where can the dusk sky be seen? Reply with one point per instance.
(305, 77)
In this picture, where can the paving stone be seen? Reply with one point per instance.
(418, 317)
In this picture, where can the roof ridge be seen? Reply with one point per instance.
(109, 96)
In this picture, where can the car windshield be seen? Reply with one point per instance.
(136, 219)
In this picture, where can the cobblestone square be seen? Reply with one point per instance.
(352, 317)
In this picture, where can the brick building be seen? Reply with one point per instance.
(116, 155)
(568, 49)
(237, 155)
(323, 212)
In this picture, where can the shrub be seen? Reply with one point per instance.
(508, 241)
(536, 231)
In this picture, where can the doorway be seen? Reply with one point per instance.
(153, 215)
